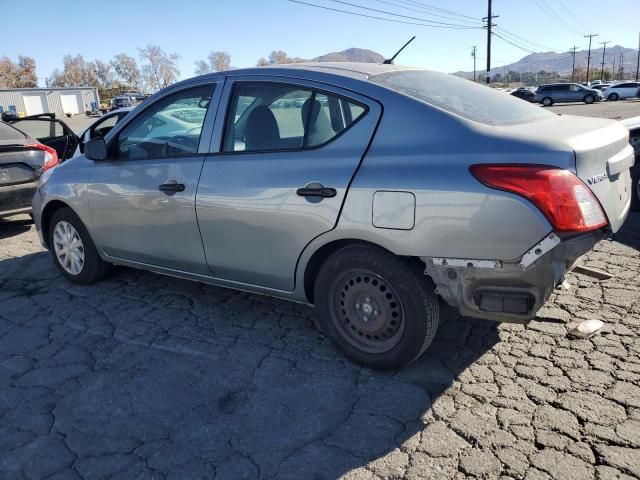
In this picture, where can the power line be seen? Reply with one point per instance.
(422, 9)
(578, 22)
(514, 44)
(323, 7)
(553, 15)
(385, 12)
(431, 7)
(524, 40)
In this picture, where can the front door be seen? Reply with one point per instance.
(289, 150)
(50, 132)
(142, 198)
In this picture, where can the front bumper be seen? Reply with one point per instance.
(507, 291)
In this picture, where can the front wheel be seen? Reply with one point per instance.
(74, 253)
(589, 99)
(379, 309)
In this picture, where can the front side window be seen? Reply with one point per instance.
(272, 117)
(41, 129)
(170, 127)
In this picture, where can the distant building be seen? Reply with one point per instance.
(32, 101)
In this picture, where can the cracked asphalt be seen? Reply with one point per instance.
(146, 376)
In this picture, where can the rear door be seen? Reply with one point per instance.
(288, 150)
(50, 132)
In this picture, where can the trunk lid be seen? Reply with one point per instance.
(602, 153)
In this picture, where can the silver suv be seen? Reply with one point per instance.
(370, 191)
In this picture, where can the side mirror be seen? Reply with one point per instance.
(96, 149)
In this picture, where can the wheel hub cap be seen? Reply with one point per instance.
(370, 313)
(68, 247)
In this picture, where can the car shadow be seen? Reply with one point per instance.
(10, 227)
(192, 380)
(629, 234)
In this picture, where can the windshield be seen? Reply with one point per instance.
(463, 97)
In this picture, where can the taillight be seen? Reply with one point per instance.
(50, 155)
(562, 197)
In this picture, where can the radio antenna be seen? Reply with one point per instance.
(389, 61)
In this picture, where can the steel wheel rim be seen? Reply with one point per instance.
(367, 311)
(68, 247)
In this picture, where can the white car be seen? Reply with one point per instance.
(620, 91)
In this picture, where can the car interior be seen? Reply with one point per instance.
(275, 117)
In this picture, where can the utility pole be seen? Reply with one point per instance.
(621, 66)
(473, 54)
(590, 36)
(638, 60)
(573, 67)
(613, 69)
(489, 19)
(604, 49)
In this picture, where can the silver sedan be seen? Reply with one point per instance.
(373, 192)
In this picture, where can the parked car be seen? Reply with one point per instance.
(620, 91)
(383, 190)
(122, 101)
(633, 124)
(50, 131)
(566, 92)
(135, 95)
(22, 161)
(601, 86)
(524, 94)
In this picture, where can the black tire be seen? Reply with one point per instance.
(614, 97)
(589, 99)
(547, 101)
(635, 189)
(398, 300)
(94, 268)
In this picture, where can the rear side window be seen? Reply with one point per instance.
(266, 117)
(8, 133)
(462, 97)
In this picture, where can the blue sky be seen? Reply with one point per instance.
(249, 29)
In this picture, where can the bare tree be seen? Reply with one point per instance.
(216, 62)
(279, 57)
(160, 69)
(262, 62)
(74, 73)
(126, 70)
(20, 75)
(103, 74)
(26, 73)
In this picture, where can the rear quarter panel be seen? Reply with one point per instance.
(427, 152)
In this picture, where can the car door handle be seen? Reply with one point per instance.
(324, 192)
(171, 186)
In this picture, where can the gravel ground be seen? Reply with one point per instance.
(615, 110)
(145, 376)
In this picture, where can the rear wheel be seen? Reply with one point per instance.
(614, 97)
(589, 99)
(74, 253)
(378, 308)
(547, 101)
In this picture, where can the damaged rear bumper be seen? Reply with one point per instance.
(508, 291)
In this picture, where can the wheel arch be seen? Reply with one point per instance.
(321, 254)
(47, 214)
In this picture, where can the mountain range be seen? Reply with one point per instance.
(562, 62)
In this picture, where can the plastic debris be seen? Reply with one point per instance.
(593, 272)
(586, 329)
